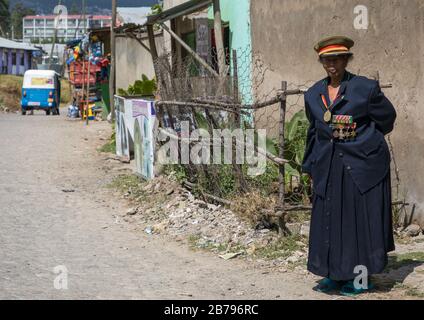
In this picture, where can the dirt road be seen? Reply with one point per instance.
(55, 211)
(64, 234)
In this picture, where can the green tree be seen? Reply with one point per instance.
(19, 11)
(75, 9)
(4, 17)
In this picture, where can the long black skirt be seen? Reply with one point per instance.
(350, 229)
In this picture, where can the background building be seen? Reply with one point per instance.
(15, 57)
(41, 28)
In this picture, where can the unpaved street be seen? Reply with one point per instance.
(55, 210)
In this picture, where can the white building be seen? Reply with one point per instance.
(40, 28)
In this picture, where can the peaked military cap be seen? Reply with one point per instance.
(334, 46)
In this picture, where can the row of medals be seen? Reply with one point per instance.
(342, 129)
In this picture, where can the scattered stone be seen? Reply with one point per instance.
(292, 259)
(201, 204)
(230, 255)
(131, 211)
(304, 229)
(420, 237)
(294, 228)
(157, 187)
(160, 227)
(300, 243)
(148, 230)
(412, 230)
(147, 187)
(251, 250)
(212, 207)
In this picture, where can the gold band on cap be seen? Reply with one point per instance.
(333, 48)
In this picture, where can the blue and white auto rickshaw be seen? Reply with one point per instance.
(41, 91)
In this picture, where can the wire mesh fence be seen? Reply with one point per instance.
(250, 138)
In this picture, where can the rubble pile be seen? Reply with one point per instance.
(164, 206)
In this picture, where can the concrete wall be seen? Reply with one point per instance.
(132, 60)
(284, 32)
(167, 4)
(237, 15)
(58, 49)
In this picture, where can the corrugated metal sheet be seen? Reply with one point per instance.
(9, 44)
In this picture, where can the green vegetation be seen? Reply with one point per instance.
(5, 17)
(12, 17)
(110, 146)
(400, 260)
(127, 183)
(282, 248)
(414, 293)
(144, 87)
(221, 180)
(18, 12)
(156, 9)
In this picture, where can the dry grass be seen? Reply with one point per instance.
(10, 91)
(65, 96)
(11, 88)
(254, 208)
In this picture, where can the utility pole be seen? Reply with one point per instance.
(54, 38)
(112, 62)
(83, 17)
(87, 99)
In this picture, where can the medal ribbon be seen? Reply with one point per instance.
(325, 101)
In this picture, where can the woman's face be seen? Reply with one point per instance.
(335, 66)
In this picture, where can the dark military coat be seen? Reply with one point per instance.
(351, 218)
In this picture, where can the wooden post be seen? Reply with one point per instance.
(83, 88)
(88, 86)
(191, 51)
(281, 178)
(112, 62)
(220, 50)
(241, 184)
(152, 43)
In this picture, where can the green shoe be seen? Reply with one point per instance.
(327, 285)
(349, 289)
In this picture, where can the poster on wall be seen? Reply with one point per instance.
(203, 40)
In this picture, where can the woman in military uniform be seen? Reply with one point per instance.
(348, 160)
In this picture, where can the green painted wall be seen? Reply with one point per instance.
(237, 14)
